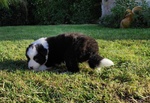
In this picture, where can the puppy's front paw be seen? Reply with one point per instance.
(42, 68)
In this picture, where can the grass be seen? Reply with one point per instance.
(127, 81)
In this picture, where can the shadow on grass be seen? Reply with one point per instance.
(21, 65)
(11, 65)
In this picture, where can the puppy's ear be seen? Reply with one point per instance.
(41, 50)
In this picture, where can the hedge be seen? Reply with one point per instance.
(34, 12)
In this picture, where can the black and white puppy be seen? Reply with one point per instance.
(70, 48)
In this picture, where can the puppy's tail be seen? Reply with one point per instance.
(106, 62)
(96, 61)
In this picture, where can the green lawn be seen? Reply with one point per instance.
(128, 81)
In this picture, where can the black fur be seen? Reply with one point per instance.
(73, 48)
(41, 56)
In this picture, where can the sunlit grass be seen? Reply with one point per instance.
(127, 81)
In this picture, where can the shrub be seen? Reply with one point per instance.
(49, 12)
(63, 11)
(85, 11)
(114, 19)
(118, 13)
(13, 14)
(142, 19)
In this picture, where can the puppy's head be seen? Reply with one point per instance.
(36, 55)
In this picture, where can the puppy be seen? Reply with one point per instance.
(70, 48)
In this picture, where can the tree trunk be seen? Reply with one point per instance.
(106, 7)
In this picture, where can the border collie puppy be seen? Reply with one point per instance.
(70, 48)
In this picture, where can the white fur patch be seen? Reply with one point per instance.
(33, 64)
(41, 41)
(42, 68)
(31, 53)
(106, 63)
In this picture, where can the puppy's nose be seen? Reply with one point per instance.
(31, 67)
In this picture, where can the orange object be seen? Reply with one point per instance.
(126, 22)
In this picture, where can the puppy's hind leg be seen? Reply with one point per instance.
(71, 63)
(72, 66)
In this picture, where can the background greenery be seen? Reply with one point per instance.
(118, 13)
(21, 12)
(39, 12)
(128, 81)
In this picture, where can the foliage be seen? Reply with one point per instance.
(128, 81)
(13, 12)
(113, 20)
(49, 12)
(5, 3)
(142, 19)
(118, 13)
(84, 12)
(64, 11)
